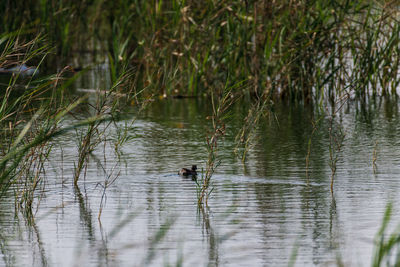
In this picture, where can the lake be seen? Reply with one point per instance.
(262, 212)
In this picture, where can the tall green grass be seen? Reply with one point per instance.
(32, 111)
(221, 113)
(302, 51)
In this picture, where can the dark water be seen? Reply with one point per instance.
(259, 214)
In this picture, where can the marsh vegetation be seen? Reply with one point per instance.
(274, 94)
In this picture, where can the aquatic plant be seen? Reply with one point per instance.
(387, 248)
(220, 109)
(375, 157)
(259, 108)
(31, 115)
(108, 181)
(106, 105)
(307, 52)
(336, 138)
(12, 114)
(314, 129)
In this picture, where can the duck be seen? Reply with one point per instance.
(187, 172)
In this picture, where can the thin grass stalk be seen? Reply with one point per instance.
(244, 137)
(386, 247)
(336, 139)
(314, 129)
(220, 114)
(375, 157)
(94, 135)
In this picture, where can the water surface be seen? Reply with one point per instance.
(260, 211)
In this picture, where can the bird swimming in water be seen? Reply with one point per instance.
(187, 172)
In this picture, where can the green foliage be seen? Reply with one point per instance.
(387, 247)
(31, 113)
(306, 51)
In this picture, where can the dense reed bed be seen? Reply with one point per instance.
(304, 51)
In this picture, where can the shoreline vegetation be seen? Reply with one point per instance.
(306, 52)
(313, 53)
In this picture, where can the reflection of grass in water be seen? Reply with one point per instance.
(28, 145)
(386, 246)
(336, 138)
(45, 103)
(100, 246)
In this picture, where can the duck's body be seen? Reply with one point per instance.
(187, 172)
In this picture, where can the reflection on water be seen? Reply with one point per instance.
(259, 213)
